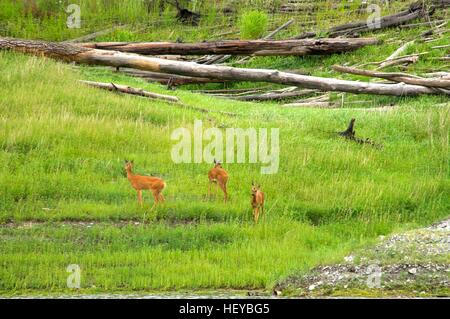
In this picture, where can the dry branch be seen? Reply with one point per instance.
(73, 53)
(136, 91)
(397, 77)
(399, 61)
(130, 90)
(396, 53)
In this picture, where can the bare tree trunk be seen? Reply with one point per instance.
(69, 52)
(223, 58)
(239, 47)
(172, 79)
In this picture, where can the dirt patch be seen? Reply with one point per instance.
(414, 263)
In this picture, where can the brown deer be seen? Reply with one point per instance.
(220, 176)
(139, 183)
(257, 201)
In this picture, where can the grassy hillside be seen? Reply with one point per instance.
(64, 197)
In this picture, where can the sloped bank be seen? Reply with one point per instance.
(411, 264)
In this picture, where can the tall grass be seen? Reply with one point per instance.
(62, 146)
(253, 24)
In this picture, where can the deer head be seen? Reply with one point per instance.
(217, 164)
(128, 166)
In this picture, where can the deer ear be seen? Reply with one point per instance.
(126, 161)
(215, 161)
(132, 162)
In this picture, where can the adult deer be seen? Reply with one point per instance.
(219, 176)
(140, 183)
(257, 201)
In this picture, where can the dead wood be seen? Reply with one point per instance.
(349, 134)
(223, 58)
(397, 77)
(131, 90)
(416, 10)
(72, 53)
(239, 47)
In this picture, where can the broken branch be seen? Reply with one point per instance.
(130, 90)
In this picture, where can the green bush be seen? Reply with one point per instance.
(253, 25)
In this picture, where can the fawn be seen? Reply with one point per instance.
(139, 183)
(257, 201)
(218, 175)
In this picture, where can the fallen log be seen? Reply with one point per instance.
(164, 78)
(231, 91)
(397, 77)
(223, 58)
(72, 53)
(415, 10)
(130, 90)
(239, 47)
(317, 104)
(430, 23)
(270, 96)
(140, 92)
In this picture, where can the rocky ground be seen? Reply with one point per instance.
(415, 263)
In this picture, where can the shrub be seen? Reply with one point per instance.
(253, 24)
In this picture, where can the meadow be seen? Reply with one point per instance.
(65, 199)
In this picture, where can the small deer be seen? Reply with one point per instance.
(257, 201)
(139, 183)
(220, 176)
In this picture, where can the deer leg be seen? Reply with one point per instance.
(223, 186)
(209, 189)
(256, 214)
(139, 196)
(161, 197)
(155, 196)
(217, 189)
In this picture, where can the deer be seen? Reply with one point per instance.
(219, 176)
(257, 201)
(140, 183)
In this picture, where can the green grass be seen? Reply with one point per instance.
(62, 146)
(253, 24)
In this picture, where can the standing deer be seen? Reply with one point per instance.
(139, 183)
(257, 201)
(220, 176)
